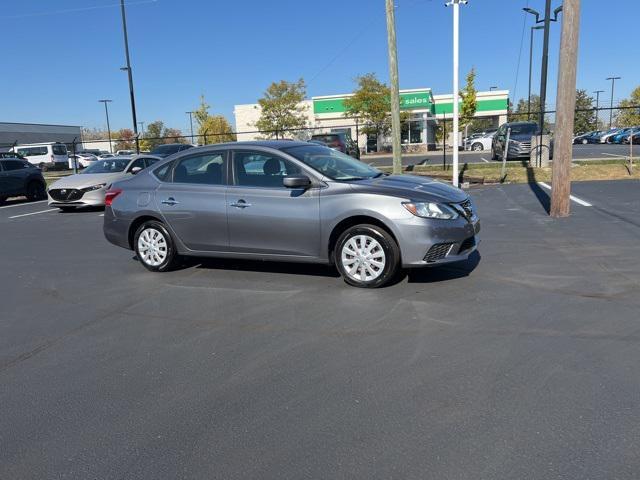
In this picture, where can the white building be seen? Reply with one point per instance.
(326, 114)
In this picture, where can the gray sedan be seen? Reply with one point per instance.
(289, 201)
(87, 188)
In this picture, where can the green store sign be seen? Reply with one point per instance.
(408, 101)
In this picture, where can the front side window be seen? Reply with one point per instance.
(335, 165)
(205, 169)
(138, 162)
(150, 161)
(258, 169)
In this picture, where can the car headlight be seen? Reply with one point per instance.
(94, 187)
(432, 210)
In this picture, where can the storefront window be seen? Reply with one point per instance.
(412, 132)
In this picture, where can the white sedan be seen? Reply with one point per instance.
(481, 143)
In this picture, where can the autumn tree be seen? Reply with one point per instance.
(468, 95)
(212, 128)
(281, 108)
(125, 139)
(629, 117)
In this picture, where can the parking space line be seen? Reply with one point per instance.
(484, 159)
(22, 204)
(34, 213)
(614, 155)
(575, 199)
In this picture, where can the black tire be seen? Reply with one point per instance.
(477, 147)
(2, 200)
(171, 258)
(385, 241)
(493, 154)
(36, 191)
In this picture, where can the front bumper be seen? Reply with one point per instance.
(427, 242)
(93, 198)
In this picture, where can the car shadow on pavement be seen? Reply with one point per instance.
(311, 269)
(445, 272)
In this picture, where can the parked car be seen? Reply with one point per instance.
(623, 134)
(169, 149)
(339, 141)
(18, 177)
(289, 201)
(106, 155)
(583, 137)
(519, 140)
(607, 136)
(481, 143)
(88, 187)
(591, 137)
(466, 142)
(85, 159)
(44, 155)
(125, 152)
(635, 137)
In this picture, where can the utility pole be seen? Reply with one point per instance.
(598, 92)
(128, 70)
(191, 123)
(456, 85)
(539, 27)
(565, 109)
(106, 112)
(546, 21)
(395, 88)
(613, 82)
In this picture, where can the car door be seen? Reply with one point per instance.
(192, 200)
(14, 175)
(264, 216)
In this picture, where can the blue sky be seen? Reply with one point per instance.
(61, 57)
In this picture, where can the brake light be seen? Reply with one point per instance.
(110, 195)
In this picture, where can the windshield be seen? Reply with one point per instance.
(524, 129)
(333, 164)
(107, 166)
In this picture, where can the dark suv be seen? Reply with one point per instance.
(338, 141)
(18, 177)
(519, 140)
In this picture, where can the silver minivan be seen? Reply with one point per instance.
(44, 155)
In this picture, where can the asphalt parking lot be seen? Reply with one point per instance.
(519, 364)
(580, 152)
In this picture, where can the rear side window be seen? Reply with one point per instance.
(9, 165)
(59, 150)
(162, 172)
(207, 169)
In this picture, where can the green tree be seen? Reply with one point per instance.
(585, 117)
(125, 139)
(371, 103)
(173, 135)
(281, 108)
(629, 117)
(468, 95)
(212, 128)
(153, 135)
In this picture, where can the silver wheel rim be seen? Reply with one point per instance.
(152, 247)
(363, 258)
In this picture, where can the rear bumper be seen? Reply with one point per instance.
(116, 230)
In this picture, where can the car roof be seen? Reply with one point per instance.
(276, 144)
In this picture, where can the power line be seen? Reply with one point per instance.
(73, 10)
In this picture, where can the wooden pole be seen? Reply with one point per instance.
(566, 104)
(395, 88)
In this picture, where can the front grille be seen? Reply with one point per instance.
(437, 252)
(66, 194)
(468, 244)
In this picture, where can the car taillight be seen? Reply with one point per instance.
(110, 196)
(52, 158)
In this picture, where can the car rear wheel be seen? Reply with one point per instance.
(36, 191)
(155, 247)
(367, 256)
(585, 141)
(476, 147)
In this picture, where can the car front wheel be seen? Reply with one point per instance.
(476, 147)
(367, 256)
(154, 247)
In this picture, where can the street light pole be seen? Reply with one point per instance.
(539, 27)
(598, 92)
(191, 123)
(128, 70)
(106, 112)
(456, 87)
(613, 82)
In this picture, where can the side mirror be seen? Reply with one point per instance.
(296, 181)
(136, 170)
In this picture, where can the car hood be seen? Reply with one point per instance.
(412, 187)
(83, 180)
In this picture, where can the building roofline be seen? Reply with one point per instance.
(40, 124)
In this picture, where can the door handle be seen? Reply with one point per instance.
(241, 204)
(170, 201)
